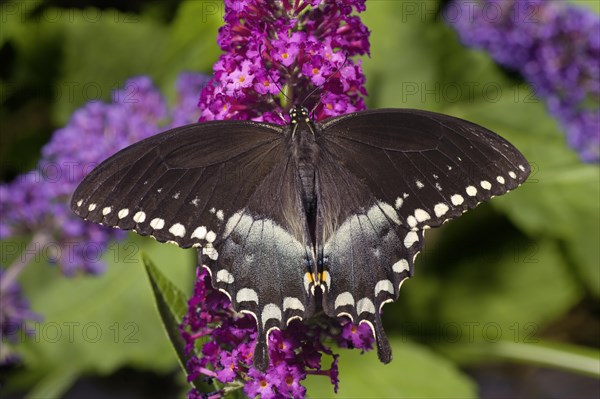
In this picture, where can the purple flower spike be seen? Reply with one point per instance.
(275, 55)
(555, 46)
(38, 201)
(291, 47)
(14, 316)
(230, 338)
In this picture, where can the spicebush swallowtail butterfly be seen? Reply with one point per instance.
(286, 214)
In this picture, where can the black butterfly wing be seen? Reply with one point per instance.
(391, 174)
(228, 187)
(169, 185)
(265, 263)
(430, 167)
(366, 252)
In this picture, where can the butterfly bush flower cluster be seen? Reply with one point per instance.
(37, 201)
(36, 204)
(556, 47)
(275, 54)
(227, 354)
(292, 46)
(15, 314)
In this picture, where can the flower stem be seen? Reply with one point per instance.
(287, 100)
(574, 358)
(38, 241)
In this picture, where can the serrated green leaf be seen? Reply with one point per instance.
(409, 375)
(171, 304)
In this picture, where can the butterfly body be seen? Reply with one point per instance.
(291, 219)
(303, 137)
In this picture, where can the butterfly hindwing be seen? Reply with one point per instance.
(384, 177)
(366, 252)
(364, 264)
(263, 263)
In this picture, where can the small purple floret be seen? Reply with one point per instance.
(229, 339)
(291, 46)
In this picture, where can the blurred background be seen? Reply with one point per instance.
(504, 302)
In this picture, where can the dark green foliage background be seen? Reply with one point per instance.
(505, 278)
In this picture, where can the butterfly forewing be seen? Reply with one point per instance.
(429, 167)
(171, 184)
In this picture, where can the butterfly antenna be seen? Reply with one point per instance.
(269, 75)
(326, 80)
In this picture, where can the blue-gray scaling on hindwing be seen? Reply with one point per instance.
(262, 267)
(366, 260)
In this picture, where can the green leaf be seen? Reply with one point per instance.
(171, 304)
(427, 67)
(191, 43)
(561, 197)
(390, 70)
(55, 383)
(97, 324)
(172, 307)
(90, 73)
(424, 66)
(102, 49)
(508, 292)
(15, 21)
(409, 375)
